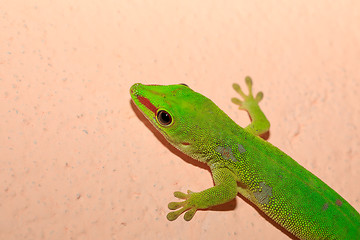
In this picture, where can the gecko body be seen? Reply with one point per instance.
(242, 162)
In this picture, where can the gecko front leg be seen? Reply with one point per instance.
(259, 123)
(225, 190)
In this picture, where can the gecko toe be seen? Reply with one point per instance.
(190, 214)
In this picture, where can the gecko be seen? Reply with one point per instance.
(241, 162)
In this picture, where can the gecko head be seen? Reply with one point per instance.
(184, 117)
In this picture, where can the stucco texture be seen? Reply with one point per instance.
(77, 160)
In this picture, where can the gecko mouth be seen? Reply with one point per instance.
(136, 95)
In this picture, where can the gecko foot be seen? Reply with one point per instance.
(187, 205)
(248, 99)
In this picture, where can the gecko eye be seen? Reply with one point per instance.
(164, 118)
(184, 84)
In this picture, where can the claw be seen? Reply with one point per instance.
(236, 101)
(248, 82)
(175, 205)
(174, 215)
(259, 96)
(237, 88)
(190, 214)
(180, 195)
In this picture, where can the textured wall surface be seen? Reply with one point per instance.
(78, 162)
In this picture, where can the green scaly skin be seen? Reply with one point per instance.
(242, 162)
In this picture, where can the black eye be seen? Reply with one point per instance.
(184, 84)
(164, 118)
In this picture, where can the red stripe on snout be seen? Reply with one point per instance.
(144, 101)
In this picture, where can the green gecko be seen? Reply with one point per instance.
(242, 162)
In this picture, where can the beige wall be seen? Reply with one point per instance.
(76, 162)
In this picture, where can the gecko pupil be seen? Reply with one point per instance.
(164, 117)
